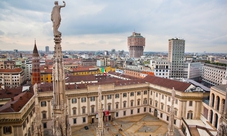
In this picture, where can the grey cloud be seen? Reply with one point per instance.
(1, 32)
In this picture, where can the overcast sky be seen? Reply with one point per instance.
(106, 24)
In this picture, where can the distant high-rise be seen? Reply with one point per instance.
(176, 57)
(47, 49)
(136, 44)
(35, 66)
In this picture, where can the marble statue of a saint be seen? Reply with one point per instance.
(56, 17)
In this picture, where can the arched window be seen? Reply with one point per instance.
(145, 101)
(124, 104)
(74, 110)
(109, 106)
(83, 109)
(212, 101)
(44, 114)
(93, 108)
(190, 115)
(218, 103)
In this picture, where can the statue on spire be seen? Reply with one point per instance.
(56, 17)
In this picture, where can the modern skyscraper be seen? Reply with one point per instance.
(176, 57)
(136, 44)
(47, 49)
(35, 66)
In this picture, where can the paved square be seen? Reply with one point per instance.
(137, 125)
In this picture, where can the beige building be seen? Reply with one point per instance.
(11, 77)
(121, 98)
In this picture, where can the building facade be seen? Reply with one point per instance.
(176, 58)
(161, 67)
(213, 74)
(136, 44)
(12, 77)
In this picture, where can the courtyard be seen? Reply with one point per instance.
(137, 125)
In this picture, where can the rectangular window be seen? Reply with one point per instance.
(43, 103)
(109, 96)
(138, 102)
(169, 99)
(156, 94)
(138, 93)
(145, 92)
(131, 111)
(7, 130)
(174, 121)
(167, 118)
(160, 115)
(84, 119)
(151, 92)
(124, 113)
(83, 99)
(132, 94)
(144, 109)
(44, 125)
(74, 121)
(116, 114)
(163, 96)
(74, 100)
(138, 110)
(116, 95)
(92, 98)
(176, 101)
(190, 103)
(124, 94)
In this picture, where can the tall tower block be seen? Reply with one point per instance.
(136, 44)
(176, 57)
(35, 66)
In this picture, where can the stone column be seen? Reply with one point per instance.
(120, 100)
(88, 105)
(113, 98)
(79, 106)
(69, 107)
(135, 100)
(49, 110)
(96, 103)
(105, 102)
(128, 100)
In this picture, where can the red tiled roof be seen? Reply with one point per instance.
(17, 102)
(10, 92)
(168, 83)
(10, 70)
(81, 78)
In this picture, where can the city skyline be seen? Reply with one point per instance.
(104, 25)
